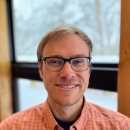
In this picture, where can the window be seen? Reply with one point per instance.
(29, 20)
(100, 19)
(32, 92)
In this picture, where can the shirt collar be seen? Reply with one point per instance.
(49, 118)
(80, 122)
(51, 122)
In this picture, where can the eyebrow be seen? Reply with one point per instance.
(58, 56)
(79, 55)
(74, 56)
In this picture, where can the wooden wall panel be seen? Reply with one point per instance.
(5, 66)
(124, 64)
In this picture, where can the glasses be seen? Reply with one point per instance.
(56, 63)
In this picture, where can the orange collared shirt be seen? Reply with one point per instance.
(92, 117)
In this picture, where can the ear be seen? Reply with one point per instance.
(40, 69)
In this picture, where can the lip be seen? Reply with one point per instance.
(67, 87)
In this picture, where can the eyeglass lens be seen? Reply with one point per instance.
(77, 64)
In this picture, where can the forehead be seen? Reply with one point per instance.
(67, 46)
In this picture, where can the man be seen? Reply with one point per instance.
(64, 60)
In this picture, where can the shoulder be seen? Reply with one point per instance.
(108, 116)
(21, 117)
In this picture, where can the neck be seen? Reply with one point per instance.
(66, 113)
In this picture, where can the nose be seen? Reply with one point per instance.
(67, 72)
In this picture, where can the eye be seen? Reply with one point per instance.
(78, 62)
(54, 61)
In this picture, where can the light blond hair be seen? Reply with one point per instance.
(59, 32)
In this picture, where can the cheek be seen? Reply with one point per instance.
(48, 77)
(85, 77)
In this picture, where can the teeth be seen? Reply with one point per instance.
(70, 86)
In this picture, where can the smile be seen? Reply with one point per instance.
(66, 86)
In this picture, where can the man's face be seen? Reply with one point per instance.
(65, 87)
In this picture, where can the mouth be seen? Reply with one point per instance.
(67, 86)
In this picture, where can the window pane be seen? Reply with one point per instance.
(102, 98)
(100, 19)
(32, 92)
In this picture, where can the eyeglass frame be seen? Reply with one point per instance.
(65, 60)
